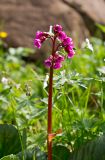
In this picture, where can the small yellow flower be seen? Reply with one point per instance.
(3, 34)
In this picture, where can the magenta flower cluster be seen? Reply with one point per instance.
(57, 33)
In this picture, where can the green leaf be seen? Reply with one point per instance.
(9, 140)
(93, 150)
(61, 153)
(101, 27)
(33, 154)
(10, 157)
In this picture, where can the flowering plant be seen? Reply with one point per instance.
(54, 61)
(56, 33)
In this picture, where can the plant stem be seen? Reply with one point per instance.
(50, 114)
(49, 143)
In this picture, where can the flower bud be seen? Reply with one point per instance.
(57, 28)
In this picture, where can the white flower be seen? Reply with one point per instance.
(4, 80)
(17, 86)
(89, 45)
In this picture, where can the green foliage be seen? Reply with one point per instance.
(61, 152)
(32, 154)
(101, 27)
(93, 150)
(78, 104)
(10, 157)
(9, 140)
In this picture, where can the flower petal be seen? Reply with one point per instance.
(37, 43)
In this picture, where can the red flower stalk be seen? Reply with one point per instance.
(54, 62)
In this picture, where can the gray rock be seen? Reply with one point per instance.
(22, 18)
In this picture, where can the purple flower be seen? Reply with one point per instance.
(62, 35)
(48, 62)
(67, 41)
(37, 43)
(40, 38)
(57, 65)
(71, 53)
(55, 60)
(39, 34)
(58, 58)
(68, 48)
(57, 28)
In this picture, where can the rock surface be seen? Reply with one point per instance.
(22, 18)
